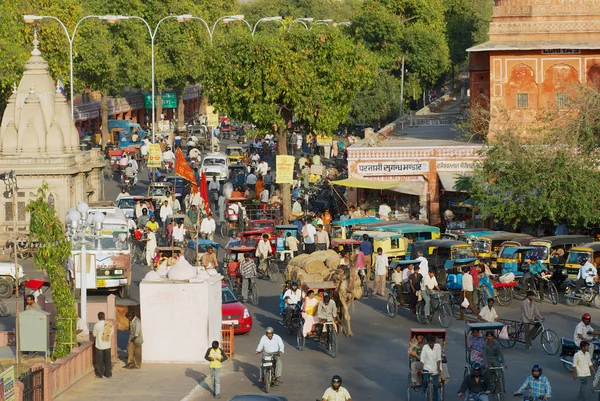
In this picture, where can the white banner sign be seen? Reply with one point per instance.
(455, 165)
(393, 168)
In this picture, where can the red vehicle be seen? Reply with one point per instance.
(266, 226)
(234, 312)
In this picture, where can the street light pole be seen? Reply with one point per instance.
(266, 19)
(303, 21)
(402, 90)
(31, 19)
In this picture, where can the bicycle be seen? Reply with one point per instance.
(516, 333)
(442, 307)
(524, 285)
(270, 269)
(497, 381)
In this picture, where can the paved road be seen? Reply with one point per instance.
(373, 362)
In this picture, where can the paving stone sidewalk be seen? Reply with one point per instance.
(164, 382)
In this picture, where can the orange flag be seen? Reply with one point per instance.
(183, 169)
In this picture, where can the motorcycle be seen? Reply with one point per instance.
(568, 349)
(268, 367)
(168, 166)
(128, 181)
(587, 294)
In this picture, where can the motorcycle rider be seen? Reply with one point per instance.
(476, 385)
(131, 173)
(123, 194)
(585, 332)
(536, 268)
(336, 392)
(587, 273)
(168, 156)
(271, 343)
(537, 383)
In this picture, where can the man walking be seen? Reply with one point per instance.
(529, 312)
(366, 247)
(582, 369)
(103, 332)
(248, 271)
(467, 287)
(134, 347)
(215, 356)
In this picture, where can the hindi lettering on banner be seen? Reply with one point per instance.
(284, 168)
(154, 156)
(455, 165)
(393, 168)
(212, 117)
(7, 383)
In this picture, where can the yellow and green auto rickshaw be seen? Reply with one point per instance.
(342, 229)
(446, 254)
(487, 247)
(414, 232)
(591, 251)
(552, 252)
(393, 244)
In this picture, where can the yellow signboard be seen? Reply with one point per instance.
(213, 117)
(7, 384)
(284, 167)
(323, 140)
(154, 155)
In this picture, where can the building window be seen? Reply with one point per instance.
(522, 100)
(562, 100)
(8, 211)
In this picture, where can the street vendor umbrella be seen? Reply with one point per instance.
(204, 191)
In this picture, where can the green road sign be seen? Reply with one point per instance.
(169, 100)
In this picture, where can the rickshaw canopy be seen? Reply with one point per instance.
(485, 326)
(203, 243)
(352, 222)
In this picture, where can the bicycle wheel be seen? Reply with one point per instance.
(253, 297)
(552, 293)
(391, 306)
(445, 315)
(505, 295)
(409, 388)
(273, 271)
(333, 343)
(223, 229)
(499, 387)
(550, 342)
(300, 340)
(520, 290)
(430, 389)
(421, 313)
(567, 358)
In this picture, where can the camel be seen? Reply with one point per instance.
(348, 289)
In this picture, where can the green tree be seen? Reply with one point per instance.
(54, 250)
(379, 102)
(466, 25)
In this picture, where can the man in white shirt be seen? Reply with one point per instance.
(263, 250)
(122, 194)
(262, 168)
(179, 233)
(429, 288)
(165, 212)
(103, 332)
(587, 273)
(168, 156)
(83, 331)
(488, 312)
(131, 226)
(467, 293)
(208, 227)
(297, 207)
(384, 211)
(272, 344)
(308, 233)
(585, 332)
(583, 369)
(424, 265)
(151, 245)
(251, 179)
(431, 361)
(264, 195)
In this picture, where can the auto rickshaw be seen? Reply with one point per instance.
(469, 237)
(446, 254)
(236, 154)
(591, 251)
(416, 367)
(488, 246)
(393, 245)
(414, 232)
(495, 369)
(156, 190)
(341, 229)
(552, 251)
(284, 255)
(165, 252)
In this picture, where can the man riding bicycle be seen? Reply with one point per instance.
(263, 251)
(537, 383)
(292, 297)
(476, 385)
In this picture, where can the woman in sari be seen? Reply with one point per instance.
(309, 312)
(475, 346)
(414, 354)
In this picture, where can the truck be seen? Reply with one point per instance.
(129, 133)
(109, 259)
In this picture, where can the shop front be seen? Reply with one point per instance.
(416, 182)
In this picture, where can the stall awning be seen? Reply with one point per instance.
(404, 187)
(367, 184)
(448, 179)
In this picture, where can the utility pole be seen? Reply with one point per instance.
(402, 90)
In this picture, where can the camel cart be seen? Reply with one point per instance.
(330, 343)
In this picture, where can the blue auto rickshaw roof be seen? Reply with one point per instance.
(483, 326)
(203, 242)
(358, 220)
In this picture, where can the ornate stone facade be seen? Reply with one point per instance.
(39, 141)
(538, 51)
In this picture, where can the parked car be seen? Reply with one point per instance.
(234, 312)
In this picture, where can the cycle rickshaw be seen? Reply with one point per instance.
(233, 276)
(516, 334)
(495, 373)
(331, 328)
(416, 367)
